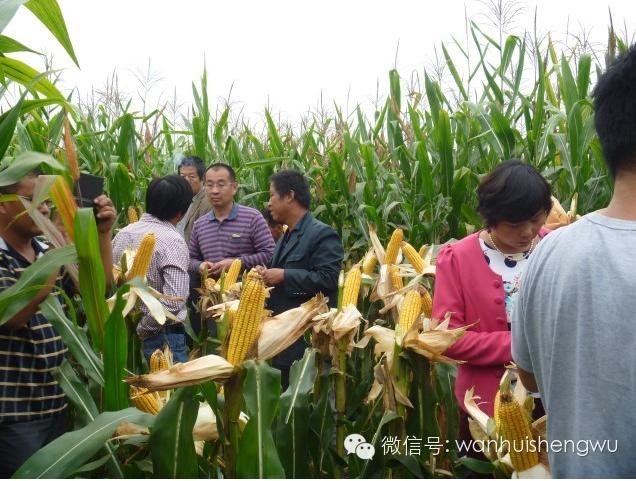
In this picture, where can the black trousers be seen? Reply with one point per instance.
(19, 440)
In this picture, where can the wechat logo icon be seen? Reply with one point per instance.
(356, 444)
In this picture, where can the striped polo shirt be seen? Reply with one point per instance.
(244, 235)
(28, 356)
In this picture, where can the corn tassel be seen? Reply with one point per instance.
(143, 257)
(145, 401)
(413, 257)
(396, 279)
(246, 323)
(516, 430)
(132, 215)
(352, 287)
(369, 262)
(232, 274)
(393, 246)
(427, 304)
(411, 310)
(65, 204)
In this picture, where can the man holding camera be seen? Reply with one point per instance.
(33, 407)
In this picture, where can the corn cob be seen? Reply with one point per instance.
(516, 430)
(423, 250)
(158, 361)
(396, 279)
(65, 204)
(410, 311)
(369, 262)
(209, 284)
(496, 406)
(352, 287)
(413, 257)
(232, 274)
(143, 257)
(246, 323)
(132, 215)
(145, 401)
(427, 304)
(393, 246)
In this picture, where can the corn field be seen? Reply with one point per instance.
(373, 368)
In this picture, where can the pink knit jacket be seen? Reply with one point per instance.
(467, 287)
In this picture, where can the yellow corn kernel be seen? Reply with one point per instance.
(352, 287)
(427, 304)
(413, 257)
(515, 429)
(209, 284)
(496, 406)
(369, 262)
(247, 321)
(396, 279)
(145, 401)
(65, 203)
(143, 257)
(132, 215)
(158, 361)
(393, 246)
(232, 274)
(411, 309)
(423, 250)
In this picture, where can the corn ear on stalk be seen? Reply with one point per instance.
(246, 323)
(143, 257)
(352, 287)
(132, 215)
(393, 246)
(145, 401)
(232, 274)
(427, 304)
(410, 311)
(413, 257)
(369, 262)
(515, 429)
(396, 279)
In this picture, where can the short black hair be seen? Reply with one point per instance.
(615, 112)
(221, 165)
(193, 161)
(168, 196)
(267, 215)
(514, 191)
(287, 181)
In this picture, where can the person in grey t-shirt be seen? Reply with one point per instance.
(573, 332)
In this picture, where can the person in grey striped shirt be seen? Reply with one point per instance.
(167, 200)
(230, 230)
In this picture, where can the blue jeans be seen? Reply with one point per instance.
(176, 342)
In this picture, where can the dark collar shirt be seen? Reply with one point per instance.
(29, 355)
(168, 271)
(243, 235)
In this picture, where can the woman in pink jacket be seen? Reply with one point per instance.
(477, 278)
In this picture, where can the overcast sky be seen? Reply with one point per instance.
(284, 54)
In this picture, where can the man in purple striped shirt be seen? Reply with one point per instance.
(230, 230)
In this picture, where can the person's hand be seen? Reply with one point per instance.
(105, 214)
(204, 265)
(260, 269)
(273, 277)
(219, 267)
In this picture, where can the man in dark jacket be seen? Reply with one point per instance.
(306, 261)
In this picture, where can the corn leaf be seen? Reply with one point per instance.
(63, 456)
(23, 164)
(116, 356)
(8, 8)
(25, 75)
(7, 125)
(293, 421)
(9, 45)
(49, 13)
(257, 455)
(76, 391)
(91, 275)
(33, 278)
(171, 441)
(75, 339)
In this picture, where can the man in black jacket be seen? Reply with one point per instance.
(306, 261)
